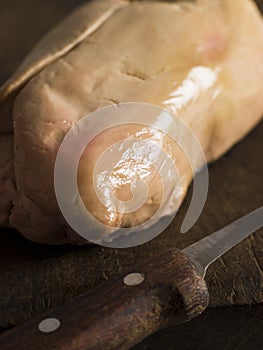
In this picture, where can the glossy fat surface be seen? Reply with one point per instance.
(202, 61)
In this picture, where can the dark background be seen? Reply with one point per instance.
(34, 278)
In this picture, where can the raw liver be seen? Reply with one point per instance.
(34, 277)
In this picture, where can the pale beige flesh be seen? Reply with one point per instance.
(116, 51)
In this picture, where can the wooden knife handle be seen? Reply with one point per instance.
(119, 314)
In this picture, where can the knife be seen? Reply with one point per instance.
(118, 314)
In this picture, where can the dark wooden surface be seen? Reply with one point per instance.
(34, 277)
(172, 292)
(233, 328)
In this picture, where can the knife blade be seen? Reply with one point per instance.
(204, 252)
(118, 314)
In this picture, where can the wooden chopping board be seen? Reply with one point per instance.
(34, 277)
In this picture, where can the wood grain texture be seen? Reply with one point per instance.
(116, 316)
(230, 328)
(34, 278)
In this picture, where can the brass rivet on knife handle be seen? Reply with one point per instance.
(117, 316)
